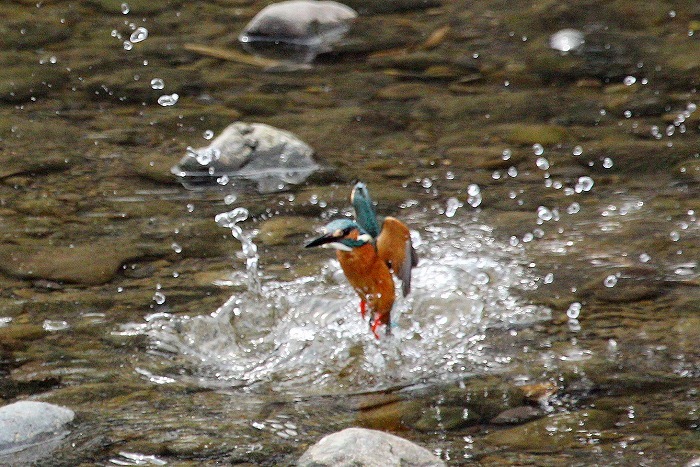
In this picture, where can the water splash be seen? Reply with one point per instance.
(307, 336)
(250, 250)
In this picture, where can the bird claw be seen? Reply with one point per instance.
(363, 308)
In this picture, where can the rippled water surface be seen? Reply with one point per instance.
(546, 157)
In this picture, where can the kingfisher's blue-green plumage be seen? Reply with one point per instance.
(336, 235)
(392, 237)
(364, 210)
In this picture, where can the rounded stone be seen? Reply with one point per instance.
(26, 422)
(360, 446)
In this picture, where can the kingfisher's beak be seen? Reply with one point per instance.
(322, 240)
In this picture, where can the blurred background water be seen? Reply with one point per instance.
(546, 156)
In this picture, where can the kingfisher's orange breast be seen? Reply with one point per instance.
(370, 277)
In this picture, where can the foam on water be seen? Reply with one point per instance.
(307, 336)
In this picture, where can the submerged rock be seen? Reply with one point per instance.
(297, 30)
(25, 424)
(360, 446)
(91, 264)
(269, 156)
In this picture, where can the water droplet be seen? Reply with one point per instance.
(549, 278)
(507, 153)
(120, 289)
(627, 113)
(675, 236)
(610, 281)
(128, 45)
(629, 80)
(426, 183)
(644, 258)
(512, 171)
(190, 207)
(223, 180)
(159, 298)
(542, 163)
(566, 40)
(176, 248)
(167, 100)
(474, 193)
(537, 149)
(607, 163)
(574, 310)
(157, 83)
(513, 241)
(139, 35)
(482, 279)
(208, 134)
(452, 205)
(230, 199)
(544, 213)
(125, 8)
(578, 150)
(55, 325)
(584, 183)
(573, 208)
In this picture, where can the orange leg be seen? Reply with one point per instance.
(363, 308)
(378, 321)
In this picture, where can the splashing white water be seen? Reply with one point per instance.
(307, 335)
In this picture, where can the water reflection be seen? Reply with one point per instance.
(307, 335)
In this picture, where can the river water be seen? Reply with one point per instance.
(552, 197)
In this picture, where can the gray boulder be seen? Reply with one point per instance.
(252, 151)
(297, 30)
(26, 423)
(368, 448)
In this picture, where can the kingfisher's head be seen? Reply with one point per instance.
(341, 234)
(364, 209)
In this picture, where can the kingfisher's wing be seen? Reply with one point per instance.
(396, 250)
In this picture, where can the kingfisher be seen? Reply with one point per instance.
(369, 252)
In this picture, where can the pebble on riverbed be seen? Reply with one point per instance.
(27, 424)
(297, 30)
(267, 155)
(360, 446)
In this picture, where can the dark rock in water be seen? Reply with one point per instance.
(360, 446)
(517, 415)
(269, 156)
(32, 426)
(96, 263)
(297, 30)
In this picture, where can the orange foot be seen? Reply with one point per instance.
(363, 308)
(378, 321)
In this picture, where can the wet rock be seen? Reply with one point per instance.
(605, 55)
(623, 285)
(22, 82)
(279, 229)
(359, 446)
(258, 103)
(139, 7)
(487, 397)
(539, 392)
(269, 156)
(91, 264)
(390, 416)
(446, 418)
(365, 7)
(483, 158)
(517, 415)
(121, 86)
(555, 432)
(297, 29)
(28, 422)
(546, 135)
(32, 34)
